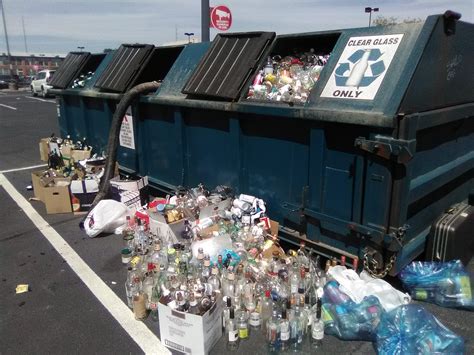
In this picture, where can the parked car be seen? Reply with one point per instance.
(4, 80)
(39, 84)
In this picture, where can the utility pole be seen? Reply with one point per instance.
(24, 33)
(176, 33)
(6, 38)
(205, 18)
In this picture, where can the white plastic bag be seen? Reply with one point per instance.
(357, 287)
(107, 217)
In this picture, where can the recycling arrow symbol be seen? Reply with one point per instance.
(376, 65)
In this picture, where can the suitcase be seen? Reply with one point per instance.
(452, 235)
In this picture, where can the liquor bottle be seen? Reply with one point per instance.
(296, 331)
(294, 279)
(226, 311)
(284, 328)
(232, 332)
(129, 283)
(273, 332)
(206, 270)
(157, 259)
(307, 314)
(155, 298)
(149, 283)
(317, 328)
(359, 69)
(139, 300)
(183, 305)
(193, 305)
(255, 320)
(268, 69)
(267, 307)
(187, 233)
(243, 326)
(302, 256)
(214, 280)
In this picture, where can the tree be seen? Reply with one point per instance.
(107, 50)
(392, 20)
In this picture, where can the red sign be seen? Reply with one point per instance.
(221, 18)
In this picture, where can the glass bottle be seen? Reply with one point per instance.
(317, 328)
(284, 328)
(226, 311)
(294, 279)
(157, 259)
(193, 304)
(232, 332)
(267, 307)
(273, 332)
(206, 270)
(155, 298)
(139, 300)
(214, 279)
(243, 326)
(182, 303)
(296, 331)
(148, 284)
(129, 283)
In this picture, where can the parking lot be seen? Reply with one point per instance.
(76, 302)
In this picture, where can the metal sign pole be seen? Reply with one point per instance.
(205, 18)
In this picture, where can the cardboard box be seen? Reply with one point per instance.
(133, 194)
(170, 232)
(83, 193)
(44, 149)
(38, 188)
(68, 153)
(189, 333)
(57, 198)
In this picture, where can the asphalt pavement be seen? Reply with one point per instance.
(60, 313)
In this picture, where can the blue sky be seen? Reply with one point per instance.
(59, 26)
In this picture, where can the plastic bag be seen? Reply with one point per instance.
(346, 319)
(446, 284)
(106, 217)
(358, 287)
(410, 329)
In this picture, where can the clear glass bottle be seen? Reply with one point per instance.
(129, 283)
(214, 279)
(232, 332)
(243, 326)
(139, 300)
(284, 328)
(294, 279)
(267, 308)
(273, 332)
(181, 301)
(317, 328)
(155, 298)
(193, 305)
(296, 331)
(226, 311)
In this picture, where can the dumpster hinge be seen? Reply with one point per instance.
(398, 150)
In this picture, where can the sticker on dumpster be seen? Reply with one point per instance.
(362, 67)
(127, 139)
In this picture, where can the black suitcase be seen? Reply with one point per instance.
(452, 235)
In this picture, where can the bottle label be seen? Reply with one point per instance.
(254, 319)
(243, 333)
(285, 335)
(233, 335)
(317, 333)
(294, 288)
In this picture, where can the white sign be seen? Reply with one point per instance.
(362, 67)
(127, 139)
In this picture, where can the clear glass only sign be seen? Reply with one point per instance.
(362, 67)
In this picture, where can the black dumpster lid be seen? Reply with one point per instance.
(127, 63)
(227, 65)
(69, 69)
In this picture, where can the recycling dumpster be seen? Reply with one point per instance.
(86, 108)
(361, 165)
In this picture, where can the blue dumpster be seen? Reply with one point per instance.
(382, 146)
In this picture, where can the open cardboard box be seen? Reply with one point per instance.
(57, 198)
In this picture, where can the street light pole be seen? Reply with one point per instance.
(6, 38)
(189, 34)
(205, 19)
(370, 10)
(81, 48)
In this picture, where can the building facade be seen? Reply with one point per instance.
(28, 65)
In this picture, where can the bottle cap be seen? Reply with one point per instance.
(229, 302)
(231, 313)
(267, 293)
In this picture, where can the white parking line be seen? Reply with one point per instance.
(42, 100)
(10, 107)
(25, 168)
(137, 330)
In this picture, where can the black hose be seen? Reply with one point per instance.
(114, 135)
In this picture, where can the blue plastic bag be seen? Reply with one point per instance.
(410, 329)
(346, 319)
(446, 284)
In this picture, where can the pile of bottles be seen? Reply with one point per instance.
(82, 80)
(264, 290)
(446, 284)
(288, 79)
(348, 320)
